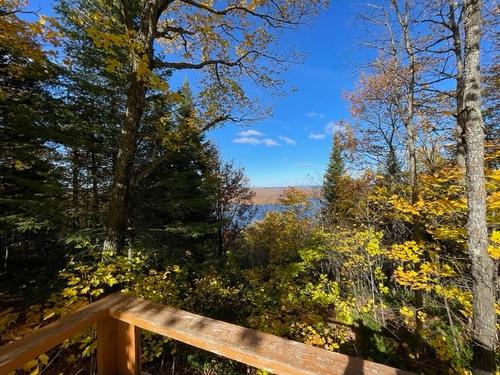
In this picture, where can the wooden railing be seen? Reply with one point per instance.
(120, 318)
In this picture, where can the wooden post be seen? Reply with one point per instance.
(118, 348)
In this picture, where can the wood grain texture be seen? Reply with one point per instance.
(118, 348)
(17, 353)
(244, 345)
(121, 317)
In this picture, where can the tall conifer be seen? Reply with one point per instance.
(332, 181)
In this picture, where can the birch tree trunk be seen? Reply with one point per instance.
(119, 206)
(482, 266)
(408, 117)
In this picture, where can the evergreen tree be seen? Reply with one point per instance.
(30, 178)
(233, 201)
(91, 136)
(175, 210)
(333, 180)
(391, 167)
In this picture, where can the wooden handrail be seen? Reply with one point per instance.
(17, 353)
(121, 317)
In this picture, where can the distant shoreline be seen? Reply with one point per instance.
(270, 195)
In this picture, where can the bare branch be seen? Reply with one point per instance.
(271, 20)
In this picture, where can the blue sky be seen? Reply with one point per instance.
(302, 121)
(292, 146)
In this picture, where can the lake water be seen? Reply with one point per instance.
(263, 209)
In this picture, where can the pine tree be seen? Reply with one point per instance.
(174, 204)
(30, 178)
(332, 181)
(391, 167)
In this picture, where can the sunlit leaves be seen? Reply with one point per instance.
(410, 251)
(494, 248)
(22, 40)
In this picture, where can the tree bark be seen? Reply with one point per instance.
(482, 265)
(95, 188)
(119, 206)
(459, 86)
(408, 113)
(75, 184)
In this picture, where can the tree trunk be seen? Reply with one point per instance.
(95, 188)
(119, 206)
(459, 86)
(411, 131)
(75, 185)
(482, 266)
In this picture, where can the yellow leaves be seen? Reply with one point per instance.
(495, 237)
(494, 176)
(69, 292)
(293, 197)
(403, 206)
(324, 293)
(176, 268)
(439, 341)
(494, 201)
(44, 359)
(493, 186)
(142, 70)
(407, 277)
(447, 233)
(383, 289)
(7, 317)
(109, 42)
(406, 312)
(20, 165)
(494, 248)
(409, 251)
(30, 365)
(450, 292)
(425, 277)
(422, 316)
(327, 336)
(112, 65)
(367, 307)
(408, 315)
(174, 97)
(372, 246)
(34, 365)
(21, 38)
(313, 338)
(114, 43)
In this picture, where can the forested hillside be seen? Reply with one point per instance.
(109, 181)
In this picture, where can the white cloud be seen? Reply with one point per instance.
(288, 140)
(250, 133)
(247, 140)
(316, 136)
(333, 127)
(269, 142)
(256, 141)
(314, 114)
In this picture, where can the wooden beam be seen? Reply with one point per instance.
(253, 348)
(118, 348)
(17, 353)
(120, 318)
